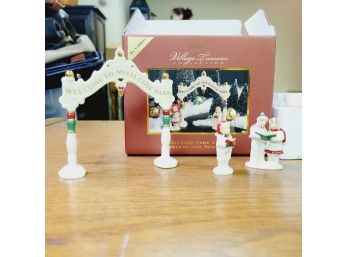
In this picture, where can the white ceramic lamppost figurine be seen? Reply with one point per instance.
(72, 170)
(257, 151)
(165, 161)
(274, 148)
(120, 70)
(224, 145)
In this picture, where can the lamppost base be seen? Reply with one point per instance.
(165, 162)
(72, 172)
(223, 170)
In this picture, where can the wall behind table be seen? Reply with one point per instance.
(285, 15)
(117, 14)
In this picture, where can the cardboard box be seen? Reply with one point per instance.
(187, 50)
(287, 108)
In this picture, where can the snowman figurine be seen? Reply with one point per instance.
(274, 148)
(258, 145)
(175, 117)
(217, 117)
(224, 145)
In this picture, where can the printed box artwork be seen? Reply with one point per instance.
(215, 72)
(202, 108)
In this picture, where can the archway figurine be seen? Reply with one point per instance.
(121, 71)
(205, 82)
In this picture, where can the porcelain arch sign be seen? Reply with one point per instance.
(204, 82)
(121, 71)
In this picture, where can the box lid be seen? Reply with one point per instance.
(256, 25)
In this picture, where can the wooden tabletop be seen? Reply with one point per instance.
(127, 207)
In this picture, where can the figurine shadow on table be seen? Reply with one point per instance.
(269, 142)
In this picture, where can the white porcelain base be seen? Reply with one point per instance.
(223, 170)
(274, 166)
(165, 162)
(264, 165)
(257, 165)
(72, 172)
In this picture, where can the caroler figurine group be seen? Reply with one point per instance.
(267, 138)
(264, 141)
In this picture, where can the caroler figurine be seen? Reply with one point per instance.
(224, 145)
(274, 148)
(175, 117)
(217, 117)
(182, 123)
(258, 145)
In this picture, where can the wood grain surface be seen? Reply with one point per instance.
(127, 207)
